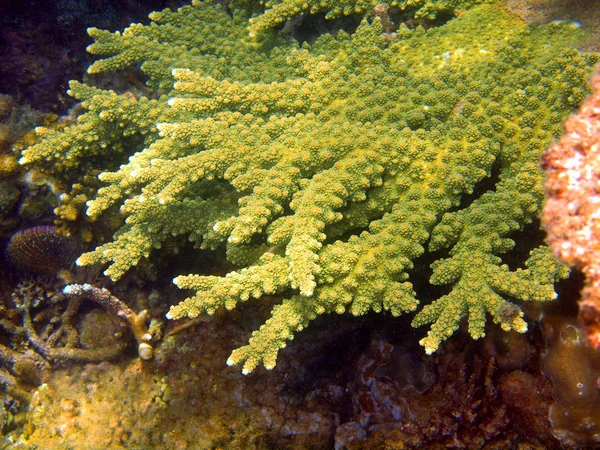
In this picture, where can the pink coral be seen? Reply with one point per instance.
(572, 211)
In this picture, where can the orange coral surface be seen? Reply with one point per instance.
(572, 210)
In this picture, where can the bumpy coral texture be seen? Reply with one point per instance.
(278, 11)
(325, 170)
(572, 206)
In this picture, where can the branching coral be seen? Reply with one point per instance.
(326, 170)
(136, 321)
(278, 11)
(58, 339)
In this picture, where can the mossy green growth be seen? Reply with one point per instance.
(324, 171)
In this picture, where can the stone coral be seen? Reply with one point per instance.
(325, 170)
(279, 11)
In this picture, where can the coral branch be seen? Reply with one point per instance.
(66, 353)
(59, 339)
(136, 321)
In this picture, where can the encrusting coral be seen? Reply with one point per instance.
(326, 169)
(571, 210)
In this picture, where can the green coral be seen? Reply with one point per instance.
(279, 11)
(324, 171)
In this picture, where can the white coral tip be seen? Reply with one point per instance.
(69, 289)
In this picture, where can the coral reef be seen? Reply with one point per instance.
(15, 122)
(47, 321)
(464, 399)
(572, 210)
(325, 170)
(255, 141)
(45, 325)
(26, 196)
(321, 395)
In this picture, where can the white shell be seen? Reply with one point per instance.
(145, 351)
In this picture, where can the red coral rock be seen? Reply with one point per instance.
(572, 211)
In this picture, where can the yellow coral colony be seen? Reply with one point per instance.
(325, 170)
